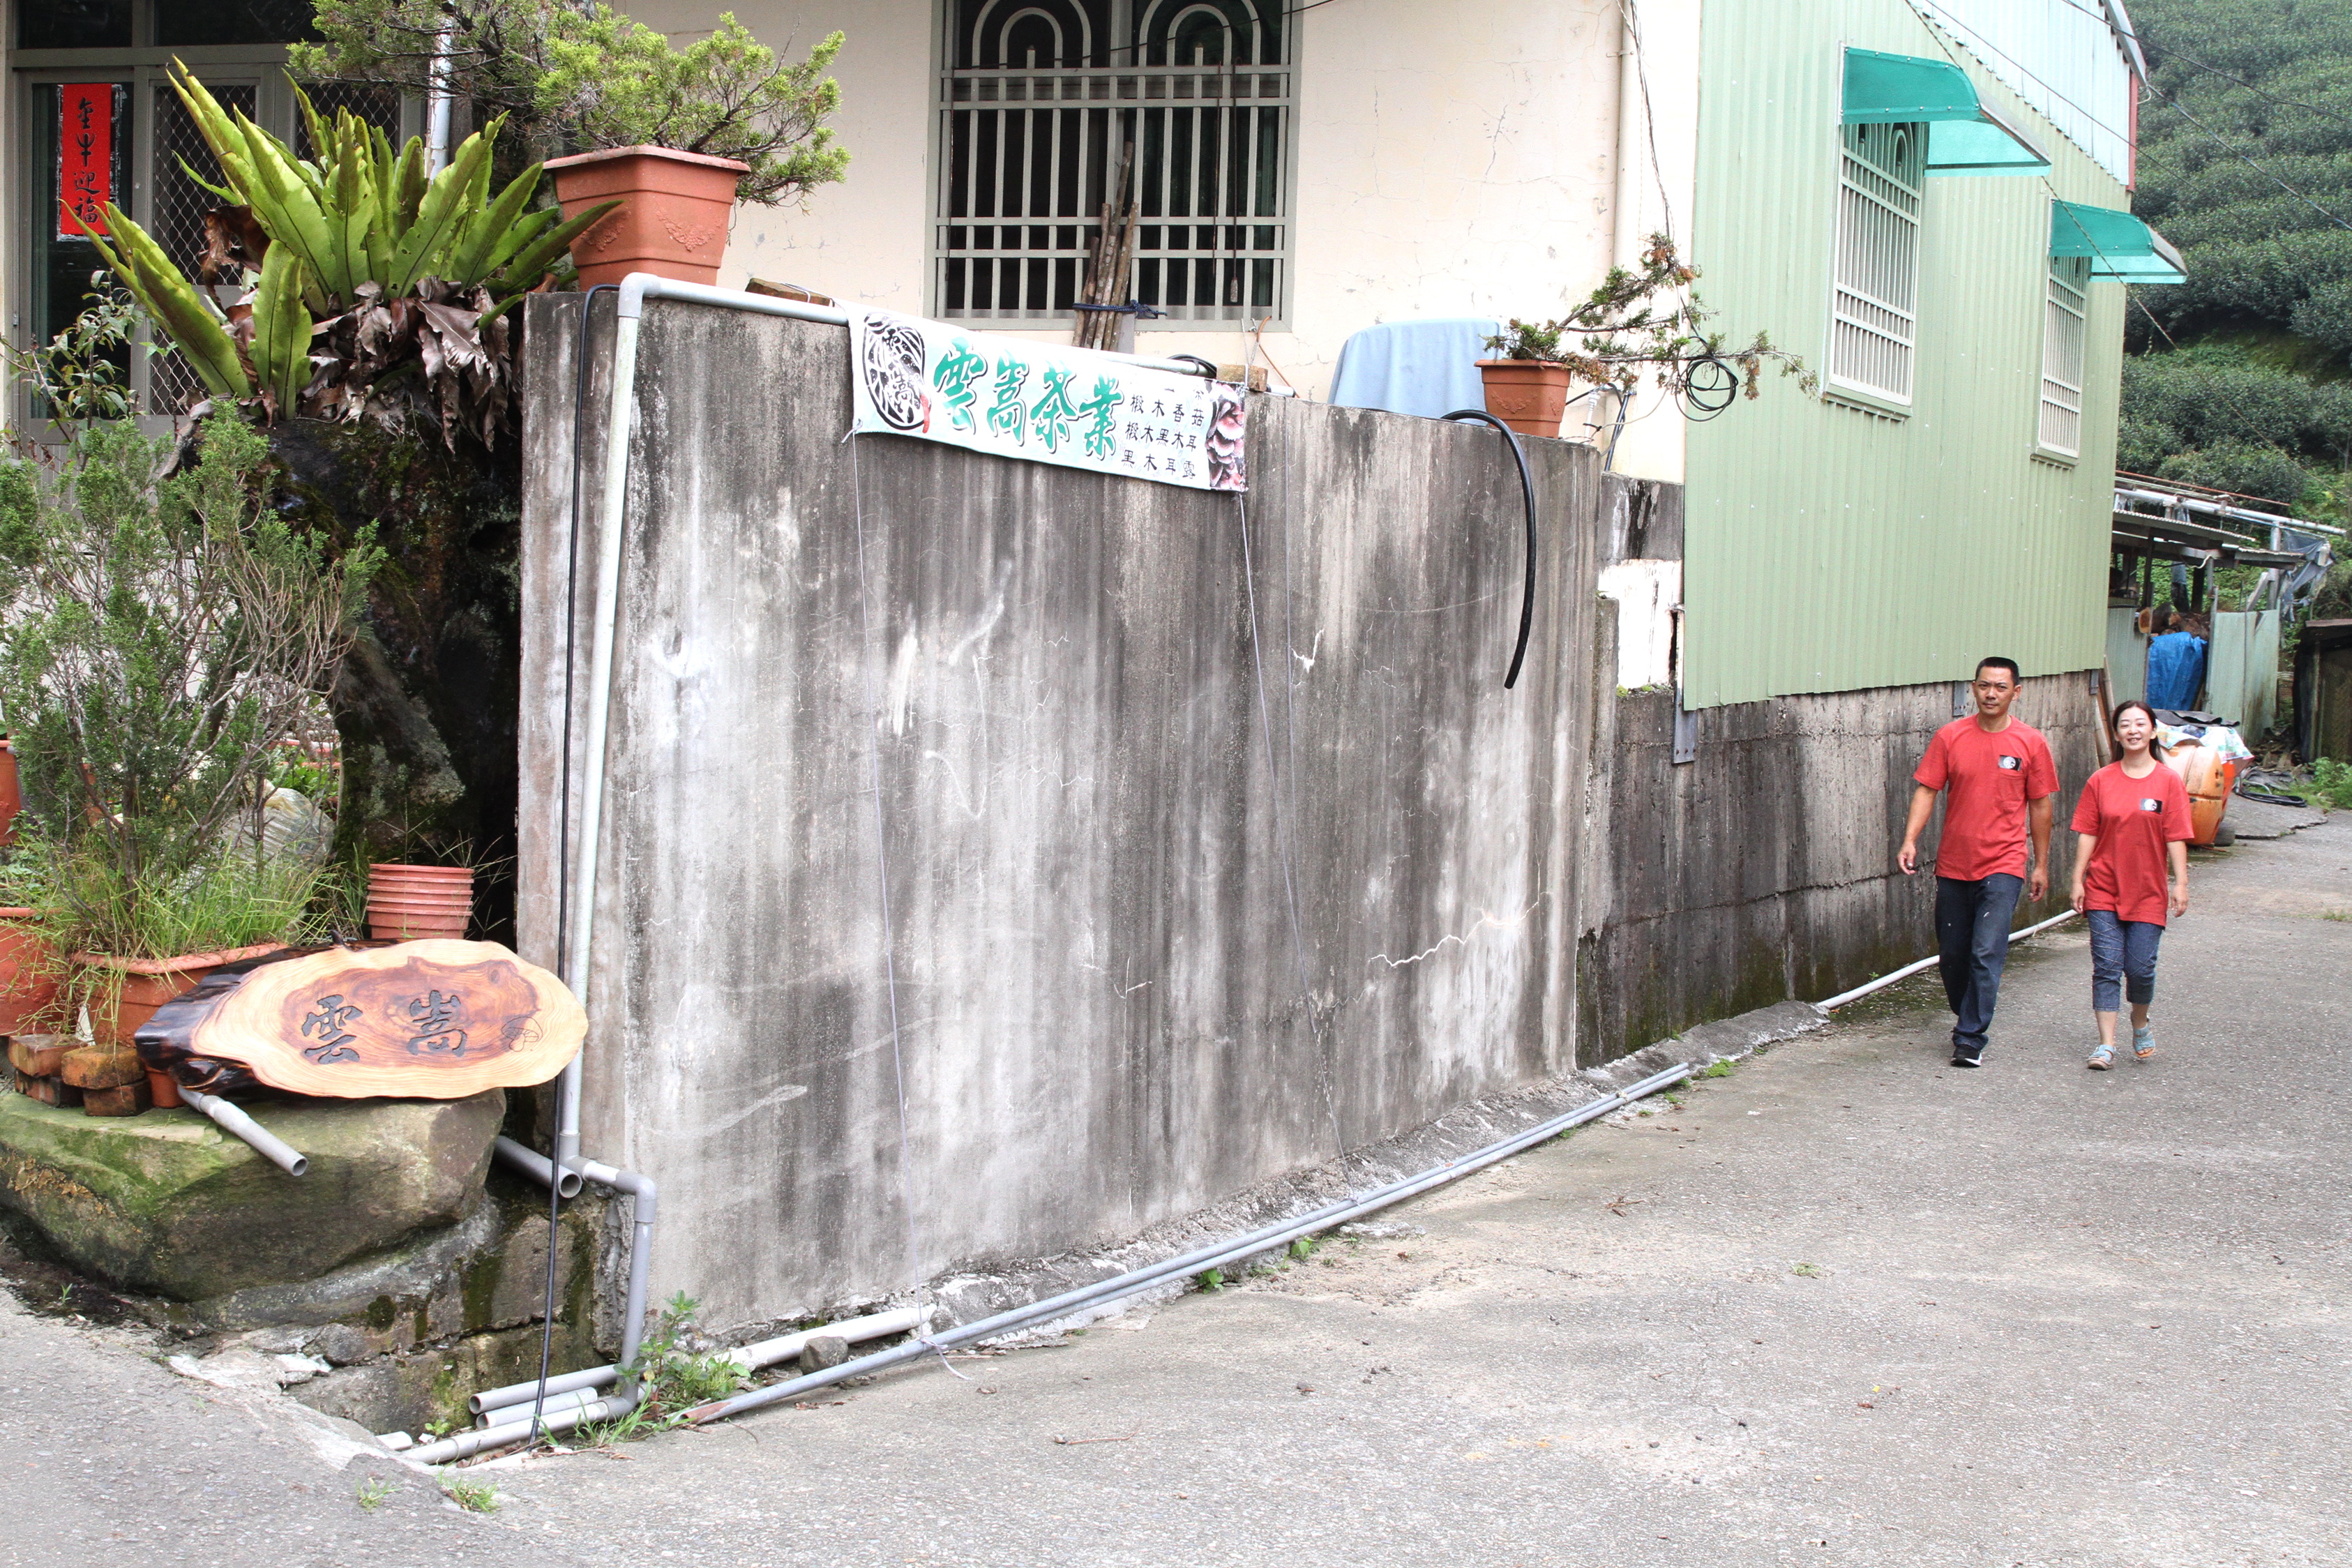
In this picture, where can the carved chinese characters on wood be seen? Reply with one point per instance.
(437, 1019)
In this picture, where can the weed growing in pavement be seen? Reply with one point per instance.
(474, 1497)
(1809, 1271)
(373, 1493)
(2336, 914)
(1211, 1279)
(1717, 1069)
(1303, 1248)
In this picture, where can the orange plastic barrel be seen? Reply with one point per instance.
(2207, 776)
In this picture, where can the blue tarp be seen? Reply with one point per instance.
(1426, 368)
(2176, 670)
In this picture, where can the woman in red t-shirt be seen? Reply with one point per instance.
(2132, 820)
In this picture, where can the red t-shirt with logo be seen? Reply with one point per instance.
(1990, 777)
(2135, 819)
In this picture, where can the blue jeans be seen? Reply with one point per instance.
(2122, 960)
(1971, 944)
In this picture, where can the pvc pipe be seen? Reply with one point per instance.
(641, 1247)
(465, 1445)
(1908, 970)
(270, 1147)
(523, 1392)
(874, 1326)
(535, 1165)
(1281, 1233)
(750, 1357)
(554, 1405)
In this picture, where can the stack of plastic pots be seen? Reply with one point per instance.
(407, 902)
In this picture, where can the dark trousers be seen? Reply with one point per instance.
(1971, 944)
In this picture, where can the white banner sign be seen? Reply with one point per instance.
(1071, 407)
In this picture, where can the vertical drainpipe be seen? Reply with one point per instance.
(1625, 198)
(437, 111)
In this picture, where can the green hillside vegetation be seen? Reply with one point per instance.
(2242, 378)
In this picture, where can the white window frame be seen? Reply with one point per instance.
(1251, 257)
(2064, 333)
(143, 66)
(1874, 283)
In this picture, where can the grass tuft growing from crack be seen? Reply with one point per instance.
(474, 1497)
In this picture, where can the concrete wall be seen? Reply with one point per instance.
(1153, 932)
(1765, 868)
(1450, 160)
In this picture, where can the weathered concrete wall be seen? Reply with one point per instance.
(1212, 843)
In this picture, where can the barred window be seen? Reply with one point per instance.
(2062, 354)
(1042, 102)
(1873, 318)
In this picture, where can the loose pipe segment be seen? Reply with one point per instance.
(270, 1147)
(491, 1402)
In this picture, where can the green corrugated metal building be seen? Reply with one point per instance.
(1940, 503)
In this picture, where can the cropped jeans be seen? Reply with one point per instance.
(2122, 961)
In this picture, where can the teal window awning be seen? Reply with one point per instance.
(2118, 245)
(1965, 137)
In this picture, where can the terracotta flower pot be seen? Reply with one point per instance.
(28, 975)
(117, 1011)
(1530, 396)
(408, 902)
(672, 220)
(12, 793)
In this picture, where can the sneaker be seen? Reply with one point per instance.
(2102, 1058)
(2144, 1044)
(1966, 1055)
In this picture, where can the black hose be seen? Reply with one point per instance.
(564, 835)
(1527, 494)
(1207, 369)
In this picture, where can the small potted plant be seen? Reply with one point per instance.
(164, 635)
(679, 136)
(1527, 384)
(1638, 323)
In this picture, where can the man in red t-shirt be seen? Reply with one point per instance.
(1999, 775)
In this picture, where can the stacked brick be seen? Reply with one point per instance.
(100, 1080)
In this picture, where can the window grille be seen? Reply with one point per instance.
(1874, 320)
(2062, 354)
(1039, 100)
(178, 223)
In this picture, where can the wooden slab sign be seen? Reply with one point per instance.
(438, 1019)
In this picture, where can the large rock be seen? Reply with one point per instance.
(169, 1204)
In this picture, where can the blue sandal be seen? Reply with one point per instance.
(2102, 1058)
(2144, 1043)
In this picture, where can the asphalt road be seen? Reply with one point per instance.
(1845, 1306)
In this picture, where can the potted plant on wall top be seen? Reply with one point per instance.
(1637, 323)
(677, 135)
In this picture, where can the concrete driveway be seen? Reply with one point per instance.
(1847, 1305)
